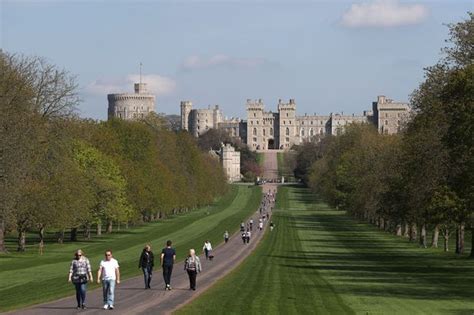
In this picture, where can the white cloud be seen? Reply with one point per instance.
(197, 62)
(384, 13)
(156, 84)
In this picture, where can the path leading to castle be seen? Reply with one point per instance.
(131, 298)
(270, 165)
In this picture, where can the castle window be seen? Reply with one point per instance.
(254, 139)
(254, 131)
(386, 114)
(257, 122)
(386, 122)
(311, 122)
(290, 122)
(254, 115)
(264, 132)
(302, 122)
(302, 132)
(287, 139)
(286, 114)
(311, 132)
(271, 131)
(287, 131)
(321, 131)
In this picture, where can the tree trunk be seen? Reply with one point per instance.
(126, 225)
(387, 225)
(460, 239)
(61, 237)
(446, 240)
(118, 226)
(21, 241)
(381, 223)
(434, 240)
(109, 227)
(406, 231)
(472, 242)
(423, 235)
(399, 230)
(74, 235)
(412, 236)
(99, 229)
(2, 237)
(87, 231)
(41, 242)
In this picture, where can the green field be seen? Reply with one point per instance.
(27, 278)
(320, 261)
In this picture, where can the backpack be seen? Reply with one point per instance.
(191, 264)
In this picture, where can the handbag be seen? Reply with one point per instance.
(79, 279)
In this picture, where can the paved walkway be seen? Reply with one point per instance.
(270, 164)
(131, 298)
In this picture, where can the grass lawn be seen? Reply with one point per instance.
(320, 261)
(27, 278)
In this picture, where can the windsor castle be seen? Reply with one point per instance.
(263, 130)
(282, 129)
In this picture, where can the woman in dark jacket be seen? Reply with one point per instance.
(146, 263)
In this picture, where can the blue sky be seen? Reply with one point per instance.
(330, 56)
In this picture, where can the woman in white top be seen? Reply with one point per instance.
(192, 265)
(207, 248)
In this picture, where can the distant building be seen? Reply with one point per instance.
(230, 161)
(265, 130)
(389, 116)
(130, 106)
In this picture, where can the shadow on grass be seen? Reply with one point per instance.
(359, 260)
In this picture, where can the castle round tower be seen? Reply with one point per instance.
(130, 106)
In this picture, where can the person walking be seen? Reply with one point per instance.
(168, 257)
(109, 274)
(242, 227)
(146, 263)
(260, 225)
(248, 234)
(192, 265)
(226, 237)
(207, 248)
(244, 237)
(251, 224)
(271, 226)
(79, 273)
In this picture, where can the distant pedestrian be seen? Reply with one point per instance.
(192, 265)
(226, 236)
(242, 227)
(80, 273)
(207, 248)
(168, 257)
(109, 273)
(271, 226)
(251, 224)
(146, 263)
(260, 226)
(244, 237)
(247, 238)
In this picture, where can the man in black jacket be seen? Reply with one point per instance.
(146, 262)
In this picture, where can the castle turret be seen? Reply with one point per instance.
(131, 105)
(186, 107)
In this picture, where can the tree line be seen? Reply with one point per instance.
(418, 183)
(60, 172)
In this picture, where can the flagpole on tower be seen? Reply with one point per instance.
(141, 73)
